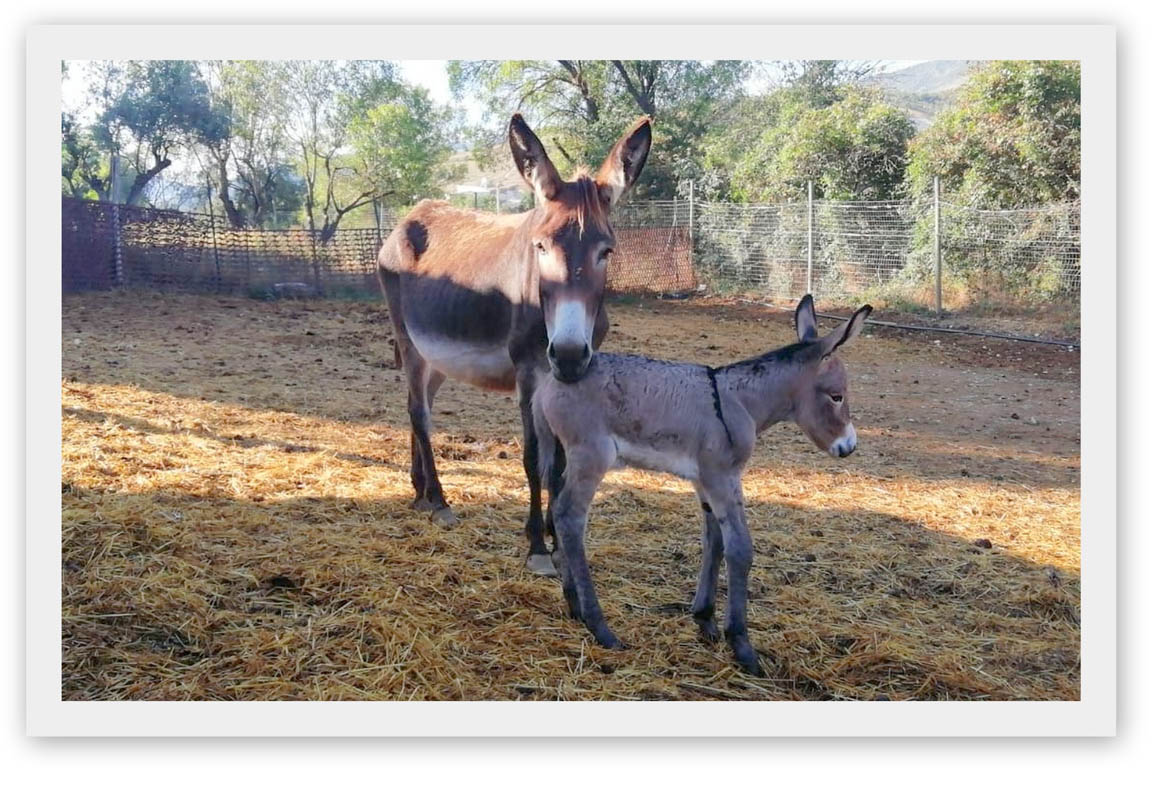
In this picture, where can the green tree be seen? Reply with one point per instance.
(362, 137)
(151, 109)
(818, 83)
(250, 165)
(1012, 137)
(581, 106)
(854, 148)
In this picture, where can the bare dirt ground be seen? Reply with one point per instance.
(236, 524)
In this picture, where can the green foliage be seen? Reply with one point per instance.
(1012, 138)
(401, 147)
(83, 171)
(852, 149)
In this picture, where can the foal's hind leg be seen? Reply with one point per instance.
(705, 600)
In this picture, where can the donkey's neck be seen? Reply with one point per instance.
(766, 385)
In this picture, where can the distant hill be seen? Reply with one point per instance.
(922, 90)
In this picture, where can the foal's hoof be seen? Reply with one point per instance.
(541, 564)
(708, 630)
(610, 641)
(444, 516)
(745, 655)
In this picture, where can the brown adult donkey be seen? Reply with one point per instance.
(490, 299)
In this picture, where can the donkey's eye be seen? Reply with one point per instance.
(539, 247)
(837, 398)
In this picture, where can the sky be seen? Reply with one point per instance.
(429, 74)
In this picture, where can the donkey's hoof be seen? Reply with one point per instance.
(541, 564)
(444, 516)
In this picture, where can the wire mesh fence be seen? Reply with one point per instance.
(837, 250)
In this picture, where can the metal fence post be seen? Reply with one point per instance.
(118, 268)
(810, 238)
(937, 252)
(691, 226)
(214, 242)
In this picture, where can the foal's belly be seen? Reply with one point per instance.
(665, 460)
(483, 364)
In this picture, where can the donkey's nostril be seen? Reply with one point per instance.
(551, 351)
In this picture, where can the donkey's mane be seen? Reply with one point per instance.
(581, 194)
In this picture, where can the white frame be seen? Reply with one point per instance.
(1094, 714)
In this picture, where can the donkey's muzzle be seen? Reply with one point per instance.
(569, 363)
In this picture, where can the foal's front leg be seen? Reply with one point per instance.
(705, 600)
(570, 516)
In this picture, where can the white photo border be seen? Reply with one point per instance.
(1093, 715)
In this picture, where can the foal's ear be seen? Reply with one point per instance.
(843, 333)
(805, 320)
(532, 161)
(625, 162)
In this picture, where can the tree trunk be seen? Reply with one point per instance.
(229, 208)
(143, 179)
(642, 94)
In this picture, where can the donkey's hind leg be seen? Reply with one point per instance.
(423, 384)
(417, 471)
(538, 560)
(713, 548)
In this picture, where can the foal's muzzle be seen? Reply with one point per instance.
(844, 446)
(569, 363)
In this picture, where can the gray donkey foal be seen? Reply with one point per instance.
(694, 422)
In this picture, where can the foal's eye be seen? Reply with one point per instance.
(539, 247)
(837, 398)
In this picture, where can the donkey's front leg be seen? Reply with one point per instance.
(705, 600)
(538, 560)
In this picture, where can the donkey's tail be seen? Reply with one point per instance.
(390, 281)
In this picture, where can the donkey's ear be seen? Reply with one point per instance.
(843, 333)
(805, 320)
(625, 162)
(532, 161)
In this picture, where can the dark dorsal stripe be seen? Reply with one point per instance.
(712, 373)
